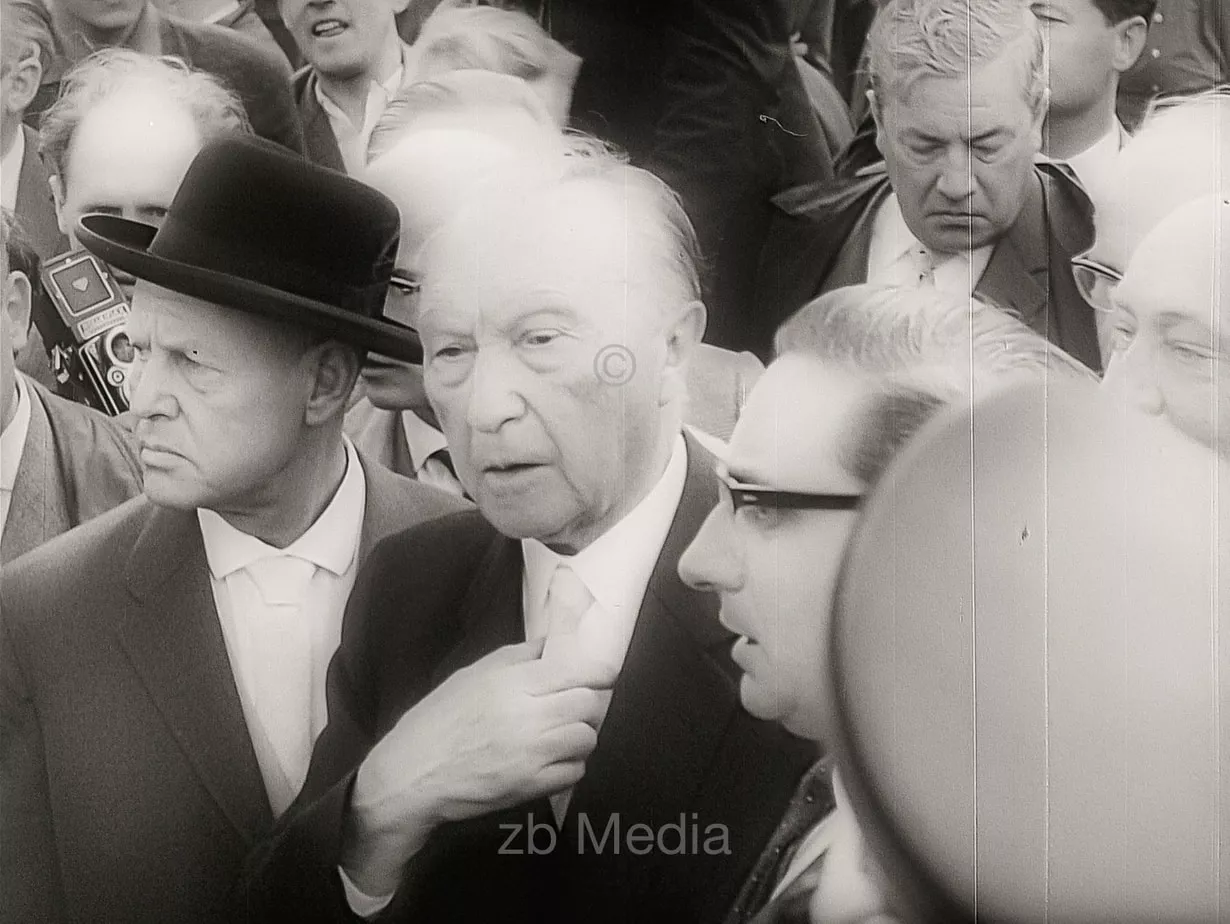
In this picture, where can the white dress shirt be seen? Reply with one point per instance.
(615, 567)
(280, 640)
(12, 445)
(897, 258)
(10, 170)
(352, 139)
(424, 441)
(1095, 165)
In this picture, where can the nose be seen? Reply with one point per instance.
(712, 562)
(955, 181)
(494, 398)
(1133, 375)
(148, 395)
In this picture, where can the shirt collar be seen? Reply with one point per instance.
(10, 169)
(13, 439)
(332, 542)
(386, 88)
(1093, 163)
(616, 566)
(422, 439)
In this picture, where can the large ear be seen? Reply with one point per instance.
(24, 78)
(683, 335)
(1130, 38)
(17, 309)
(878, 117)
(335, 368)
(57, 193)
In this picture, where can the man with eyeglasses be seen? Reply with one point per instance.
(554, 688)
(859, 371)
(1177, 155)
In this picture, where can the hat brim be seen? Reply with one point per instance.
(124, 243)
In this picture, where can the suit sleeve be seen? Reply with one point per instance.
(30, 881)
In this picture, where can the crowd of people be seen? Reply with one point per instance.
(717, 461)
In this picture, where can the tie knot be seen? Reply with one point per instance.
(281, 580)
(567, 600)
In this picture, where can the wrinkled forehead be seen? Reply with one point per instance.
(577, 238)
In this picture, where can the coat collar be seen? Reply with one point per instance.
(174, 641)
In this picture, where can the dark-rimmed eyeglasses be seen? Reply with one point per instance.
(1095, 281)
(404, 283)
(751, 495)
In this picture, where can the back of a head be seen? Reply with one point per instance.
(462, 35)
(113, 73)
(914, 39)
(1029, 660)
(1178, 154)
(496, 104)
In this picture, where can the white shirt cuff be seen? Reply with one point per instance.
(362, 904)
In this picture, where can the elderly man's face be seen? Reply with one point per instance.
(341, 38)
(220, 399)
(428, 174)
(775, 569)
(960, 153)
(128, 157)
(551, 352)
(1171, 325)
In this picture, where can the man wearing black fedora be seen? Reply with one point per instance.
(162, 668)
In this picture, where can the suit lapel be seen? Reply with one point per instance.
(851, 266)
(491, 614)
(318, 135)
(38, 509)
(174, 640)
(1016, 275)
(673, 701)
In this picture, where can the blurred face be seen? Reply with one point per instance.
(428, 175)
(127, 158)
(220, 399)
(104, 16)
(775, 569)
(550, 358)
(342, 39)
(960, 154)
(1171, 327)
(1084, 52)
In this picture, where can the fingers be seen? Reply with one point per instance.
(568, 743)
(511, 654)
(578, 704)
(551, 676)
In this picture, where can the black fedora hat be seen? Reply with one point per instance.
(259, 230)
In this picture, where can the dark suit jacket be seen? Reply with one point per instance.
(35, 208)
(821, 239)
(76, 464)
(260, 76)
(319, 142)
(676, 743)
(131, 791)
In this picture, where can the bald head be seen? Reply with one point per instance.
(1171, 347)
(1176, 156)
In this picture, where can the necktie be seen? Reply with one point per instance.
(568, 599)
(812, 801)
(283, 639)
(438, 472)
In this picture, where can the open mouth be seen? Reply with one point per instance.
(328, 28)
